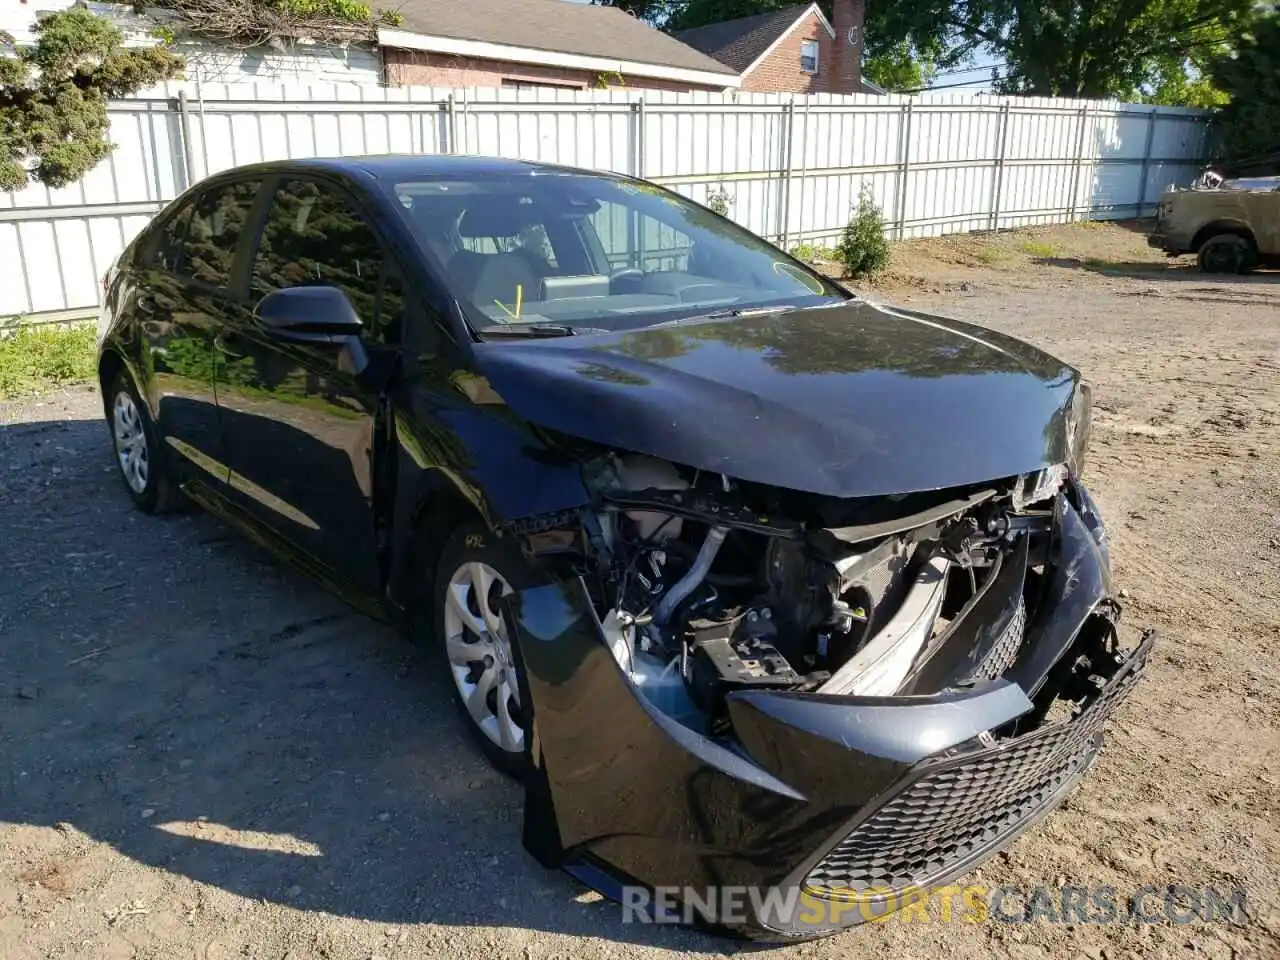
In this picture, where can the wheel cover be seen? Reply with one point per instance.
(479, 648)
(131, 442)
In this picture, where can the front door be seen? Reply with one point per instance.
(185, 297)
(299, 430)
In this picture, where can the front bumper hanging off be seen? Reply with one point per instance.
(825, 798)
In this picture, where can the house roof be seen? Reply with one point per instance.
(740, 43)
(553, 26)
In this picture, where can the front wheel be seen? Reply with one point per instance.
(133, 437)
(476, 570)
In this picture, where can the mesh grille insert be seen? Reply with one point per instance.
(1005, 650)
(952, 808)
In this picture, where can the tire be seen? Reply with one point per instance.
(485, 677)
(1227, 253)
(137, 450)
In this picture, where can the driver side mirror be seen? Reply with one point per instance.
(319, 315)
(308, 315)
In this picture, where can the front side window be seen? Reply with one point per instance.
(314, 235)
(593, 251)
(809, 56)
(216, 225)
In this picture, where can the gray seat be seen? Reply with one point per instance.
(501, 277)
(489, 277)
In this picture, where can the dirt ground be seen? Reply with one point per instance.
(203, 755)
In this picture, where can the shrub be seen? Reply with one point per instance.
(718, 199)
(863, 249)
(54, 93)
(34, 358)
(812, 251)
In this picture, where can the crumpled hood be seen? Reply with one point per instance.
(847, 401)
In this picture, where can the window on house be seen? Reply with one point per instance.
(809, 56)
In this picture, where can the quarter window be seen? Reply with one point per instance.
(219, 219)
(633, 240)
(315, 236)
(809, 56)
(165, 251)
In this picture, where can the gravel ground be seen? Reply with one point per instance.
(203, 755)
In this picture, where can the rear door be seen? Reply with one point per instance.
(299, 430)
(186, 295)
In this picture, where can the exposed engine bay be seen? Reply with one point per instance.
(707, 585)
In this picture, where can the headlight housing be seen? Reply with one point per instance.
(1079, 424)
(1040, 486)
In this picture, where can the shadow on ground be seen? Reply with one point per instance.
(171, 691)
(1178, 270)
(1141, 226)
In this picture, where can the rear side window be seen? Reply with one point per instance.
(218, 221)
(314, 235)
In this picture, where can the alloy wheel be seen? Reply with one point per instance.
(478, 644)
(131, 442)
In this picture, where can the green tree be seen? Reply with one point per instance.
(898, 54)
(1075, 48)
(1249, 125)
(899, 68)
(1184, 83)
(697, 13)
(53, 96)
(1070, 48)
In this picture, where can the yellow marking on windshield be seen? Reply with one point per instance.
(795, 273)
(519, 303)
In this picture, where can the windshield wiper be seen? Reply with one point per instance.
(731, 314)
(527, 330)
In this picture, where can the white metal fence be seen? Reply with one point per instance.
(791, 166)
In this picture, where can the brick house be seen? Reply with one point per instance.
(795, 50)
(540, 43)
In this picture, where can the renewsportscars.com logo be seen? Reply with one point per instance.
(798, 908)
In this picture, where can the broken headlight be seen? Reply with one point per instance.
(1079, 425)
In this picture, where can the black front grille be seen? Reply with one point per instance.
(949, 810)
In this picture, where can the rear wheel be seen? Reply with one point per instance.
(1227, 253)
(475, 571)
(133, 437)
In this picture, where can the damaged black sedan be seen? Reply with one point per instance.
(757, 585)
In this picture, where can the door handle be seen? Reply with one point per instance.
(220, 344)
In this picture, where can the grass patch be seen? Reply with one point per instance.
(1038, 248)
(36, 358)
(990, 255)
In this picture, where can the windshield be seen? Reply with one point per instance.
(576, 252)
